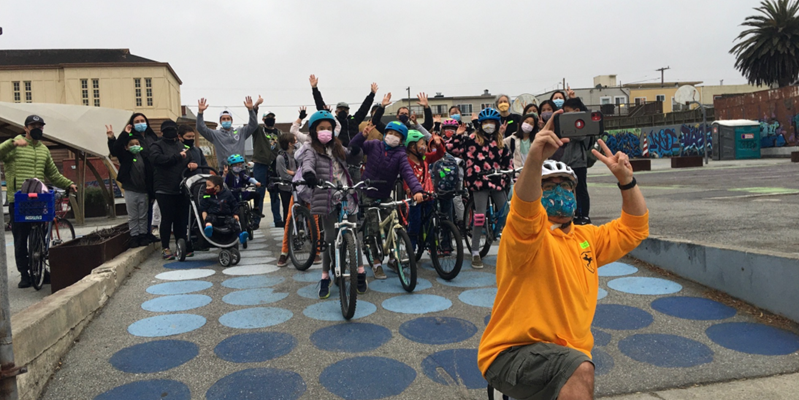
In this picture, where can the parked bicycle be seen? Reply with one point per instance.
(393, 241)
(441, 238)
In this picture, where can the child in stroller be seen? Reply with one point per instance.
(218, 207)
(236, 179)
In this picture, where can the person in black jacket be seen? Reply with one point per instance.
(187, 136)
(170, 158)
(403, 114)
(218, 208)
(139, 125)
(349, 123)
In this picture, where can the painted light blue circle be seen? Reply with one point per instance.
(487, 318)
(695, 308)
(353, 337)
(471, 279)
(417, 304)
(601, 294)
(617, 269)
(666, 351)
(257, 384)
(490, 260)
(155, 356)
(458, 366)
(437, 330)
(603, 362)
(308, 276)
(176, 303)
(620, 317)
(600, 338)
(257, 317)
(166, 325)
(644, 285)
(331, 310)
(387, 377)
(752, 338)
(253, 282)
(479, 297)
(394, 285)
(150, 389)
(181, 287)
(255, 347)
(190, 264)
(253, 297)
(312, 291)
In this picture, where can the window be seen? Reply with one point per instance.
(640, 100)
(486, 105)
(148, 84)
(28, 92)
(466, 109)
(604, 100)
(660, 97)
(418, 110)
(675, 106)
(620, 100)
(96, 92)
(84, 91)
(137, 87)
(17, 97)
(440, 109)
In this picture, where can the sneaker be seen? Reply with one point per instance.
(477, 262)
(166, 254)
(392, 265)
(25, 281)
(324, 288)
(208, 230)
(153, 238)
(144, 240)
(378, 270)
(283, 260)
(189, 254)
(243, 237)
(317, 260)
(363, 286)
(135, 242)
(280, 225)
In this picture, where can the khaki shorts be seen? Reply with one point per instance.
(534, 372)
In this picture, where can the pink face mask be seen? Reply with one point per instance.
(324, 136)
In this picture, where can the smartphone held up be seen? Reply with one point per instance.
(579, 124)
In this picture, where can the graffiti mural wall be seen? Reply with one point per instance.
(777, 110)
(660, 141)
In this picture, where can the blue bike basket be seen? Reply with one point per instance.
(34, 207)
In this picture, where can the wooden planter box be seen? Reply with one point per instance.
(687, 162)
(795, 156)
(643, 164)
(72, 261)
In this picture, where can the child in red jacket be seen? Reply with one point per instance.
(420, 156)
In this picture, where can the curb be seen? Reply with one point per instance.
(44, 332)
(764, 279)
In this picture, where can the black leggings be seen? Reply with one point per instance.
(174, 216)
(581, 192)
(285, 199)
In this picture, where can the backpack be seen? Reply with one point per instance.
(33, 185)
(445, 173)
(274, 176)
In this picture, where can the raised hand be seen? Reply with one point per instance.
(618, 164)
(202, 105)
(248, 102)
(128, 128)
(368, 129)
(570, 93)
(183, 153)
(386, 100)
(413, 118)
(109, 131)
(20, 143)
(303, 113)
(259, 101)
(374, 87)
(422, 100)
(502, 129)
(314, 81)
(461, 129)
(437, 118)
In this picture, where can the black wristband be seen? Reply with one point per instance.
(628, 186)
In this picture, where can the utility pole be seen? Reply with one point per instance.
(564, 84)
(661, 74)
(409, 100)
(8, 371)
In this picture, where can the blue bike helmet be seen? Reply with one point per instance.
(320, 116)
(235, 159)
(488, 114)
(397, 127)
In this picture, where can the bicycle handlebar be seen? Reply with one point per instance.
(498, 172)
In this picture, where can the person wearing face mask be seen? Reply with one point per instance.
(218, 208)
(420, 156)
(558, 98)
(507, 117)
(552, 265)
(575, 155)
(25, 157)
(349, 123)
(264, 143)
(404, 115)
(236, 179)
(187, 135)
(170, 158)
(136, 176)
(227, 140)
(519, 143)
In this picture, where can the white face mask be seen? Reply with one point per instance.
(392, 141)
(526, 128)
(489, 128)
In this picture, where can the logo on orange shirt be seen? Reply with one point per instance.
(588, 258)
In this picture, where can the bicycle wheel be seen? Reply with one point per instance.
(302, 241)
(446, 250)
(62, 231)
(406, 263)
(486, 238)
(36, 256)
(348, 276)
(421, 243)
(249, 224)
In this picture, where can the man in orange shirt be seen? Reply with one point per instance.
(538, 342)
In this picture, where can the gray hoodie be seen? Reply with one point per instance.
(227, 141)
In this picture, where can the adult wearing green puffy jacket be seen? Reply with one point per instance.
(26, 157)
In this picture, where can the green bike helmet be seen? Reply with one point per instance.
(413, 137)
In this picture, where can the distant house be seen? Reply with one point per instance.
(441, 104)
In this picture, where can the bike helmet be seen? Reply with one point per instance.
(413, 137)
(552, 168)
(488, 114)
(450, 123)
(397, 127)
(235, 159)
(320, 116)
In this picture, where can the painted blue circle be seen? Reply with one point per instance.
(617, 269)
(255, 347)
(257, 317)
(458, 366)
(601, 338)
(752, 338)
(471, 279)
(479, 297)
(603, 362)
(150, 389)
(666, 351)
(253, 297)
(155, 356)
(416, 304)
(312, 291)
(253, 282)
(644, 285)
(166, 325)
(331, 310)
(601, 294)
(179, 302)
(308, 276)
(190, 264)
(387, 377)
(394, 285)
(490, 260)
(619, 317)
(353, 337)
(181, 287)
(696, 308)
(487, 318)
(437, 330)
(258, 383)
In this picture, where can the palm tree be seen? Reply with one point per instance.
(768, 52)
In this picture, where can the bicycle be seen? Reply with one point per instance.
(303, 234)
(394, 237)
(492, 229)
(441, 238)
(61, 223)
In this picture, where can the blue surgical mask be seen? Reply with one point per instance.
(456, 117)
(227, 124)
(559, 202)
(140, 127)
(558, 103)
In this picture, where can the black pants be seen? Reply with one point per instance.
(20, 231)
(223, 221)
(285, 198)
(174, 216)
(583, 200)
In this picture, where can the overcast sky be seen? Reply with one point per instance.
(225, 50)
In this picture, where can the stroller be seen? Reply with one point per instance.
(227, 241)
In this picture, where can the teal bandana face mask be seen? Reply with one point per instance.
(559, 202)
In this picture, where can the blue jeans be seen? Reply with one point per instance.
(261, 174)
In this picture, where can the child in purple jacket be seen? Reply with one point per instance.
(384, 161)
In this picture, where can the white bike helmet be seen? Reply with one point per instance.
(554, 168)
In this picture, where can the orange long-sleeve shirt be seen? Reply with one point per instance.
(547, 280)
